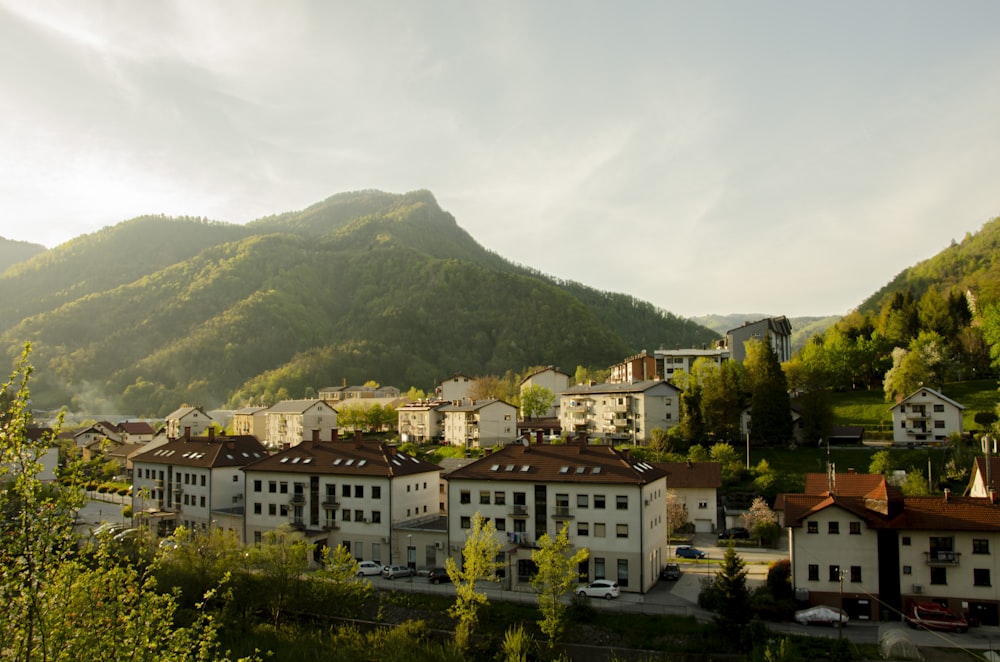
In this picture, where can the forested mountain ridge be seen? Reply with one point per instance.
(13, 252)
(155, 311)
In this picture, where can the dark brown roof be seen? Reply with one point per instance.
(844, 484)
(935, 513)
(692, 474)
(136, 427)
(206, 451)
(352, 458)
(568, 463)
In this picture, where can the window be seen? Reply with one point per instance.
(376, 491)
(981, 577)
(359, 491)
(272, 486)
(939, 424)
(500, 498)
(583, 528)
(855, 528)
(702, 505)
(465, 496)
(939, 408)
(980, 546)
(257, 508)
(599, 501)
(621, 502)
(519, 499)
(623, 572)
(907, 570)
(582, 501)
(283, 487)
(833, 528)
(939, 575)
(812, 527)
(376, 516)
(256, 537)
(345, 490)
(236, 478)
(359, 516)
(520, 526)
(272, 509)
(813, 572)
(256, 486)
(599, 572)
(484, 497)
(345, 515)
(599, 530)
(331, 492)
(466, 523)
(834, 573)
(856, 574)
(500, 524)
(283, 510)
(203, 480)
(906, 541)
(621, 530)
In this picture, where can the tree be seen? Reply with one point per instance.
(722, 399)
(558, 572)
(197, 562)
(341, 570)
(770, 405)
(535, 401)
(925, 363)
(758, 514)
(351, 417)
(881, 463)
(479, 563)
(915, 484)
(732, 608)
(279, 562)
(677, 514)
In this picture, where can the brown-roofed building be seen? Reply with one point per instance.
(985, 477)
(696, 485)
(187, 421)
(889, 550)
(350, 492)
(613, 505)
(136, 432)
(193, 481)
(619, 412)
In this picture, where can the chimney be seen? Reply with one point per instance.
(392, 451)
(187, 433)
(357, 439)
(230, 444)
(581, 437)
(993, 496)
(947, 495)
(315, 436)
(211, 434)
(344, 382)
(334, 435)
(850, 470)
(538, 437)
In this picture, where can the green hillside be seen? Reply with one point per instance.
(154, 312)
(13, 252)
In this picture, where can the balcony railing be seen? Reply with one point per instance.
(298, 523)
(562, 512)
(297, 500)
(330, 525)
(942, 558)
(331, 502)
(518, 511)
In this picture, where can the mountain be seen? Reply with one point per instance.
(158, 311)
(12, 252)
(802, 327)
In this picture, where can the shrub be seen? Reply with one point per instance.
(127, 510)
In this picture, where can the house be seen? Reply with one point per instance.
(863, 540)
(88, 436)
(479, 423)
(696, 485)
(456, 387)
(925, 416)
(670, 360)
(626, 412)
(187, 421)
(250, 421)
(985, 476)
(351, 492)
(638, 368)
(136, 432)
(290, 422)
(775, 330)
(420, 421)
(614, 506)
(194, 481)
(554, 380)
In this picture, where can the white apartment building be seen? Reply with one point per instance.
(614, 507)
(626, 412)
(420, 422)
(291, 422)
(554, 380)
(350, 492)
(669, 361)
(479, 423)
(925, 416)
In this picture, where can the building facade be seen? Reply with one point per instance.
(777, 331)
(420, 422)
(925, 416)
(619, 412)
(479, 423)
(291, 422)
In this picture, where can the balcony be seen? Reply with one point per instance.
(562, 512)
(519, 511)
(331, 502)
(330, 525)
(298, 523)
(942, 558)
(297, 500)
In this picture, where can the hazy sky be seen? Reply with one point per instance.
(709, 157)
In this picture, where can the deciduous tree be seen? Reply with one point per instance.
(558, 573)
(479, 563)
(535, 400)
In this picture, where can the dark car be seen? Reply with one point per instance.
(438, 575)
(671, 571)
(688, 552)
(735, 533)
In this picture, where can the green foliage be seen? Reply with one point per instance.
(731, 599)
(479, 563)
(915, 484)
(517, 645)
(770, 405)
(557, 575)
(278, 562)
(535, 400)
(881, 463)
(196, 562)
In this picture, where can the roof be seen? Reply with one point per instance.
(539, 371)
(296, 406)
(421, 405)
(350, 458)
(682, 475)
(559, 463)
(205, 451)
(980, 470)
(449, 464)
(623, 387)
(180, 413)
(937, 513)
(136, 427)
(844, 484)
(926, 389)
(247, 411)
(472, 405)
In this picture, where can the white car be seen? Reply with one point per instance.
(599, 588)
(366, 568)
(821, 615)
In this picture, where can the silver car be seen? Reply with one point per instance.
(394, 571)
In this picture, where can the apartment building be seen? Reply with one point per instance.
(925, 416)
(479, 423)
(626, 412)
(420, 422)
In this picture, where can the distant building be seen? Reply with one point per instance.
(554, 380)
(420, 422)
(670, 360)
(456, 387)
(479, 423)
(187, 421)
(626, 412)
(775, 330)
(291, 422)
(638, 368)
(925, 416)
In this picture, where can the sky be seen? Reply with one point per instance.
(784, 158)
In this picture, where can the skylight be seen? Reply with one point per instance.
(337, 461)
(564, 470)
(580, 470)
(397, 462)
(296, 460)
(595, 470)
(495, 467)
(284, 460)
(307, 460)
(362, 463)
(510, 467)
(349, 462)
(525, 467)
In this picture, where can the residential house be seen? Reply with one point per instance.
(638, 368)
(187, 421)
(612, 504)
(448, 465)
(862, 544)
(479, 423)
(670, 360)
(696, 485)
(194, 481)
(626, 412)
(420, 421)
(250, 421)
(554, 380)
(925, 416)
(775, 330)
(291, 422)
(456, 387)
(136, 432)
(351, 492)
(88, 436)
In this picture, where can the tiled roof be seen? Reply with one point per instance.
(136, 427)
(692, 474)
(845, 484)
(249, 410)
(178, 414)
(623, 387)
(936, 513)
(471, 405)
(296, 406)
(559, 463)
(925, 389)
(350, 457)
(210, 451)
(542, 370)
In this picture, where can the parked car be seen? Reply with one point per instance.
(366, 568)
(599, 588)
(671, 571)
(438, 575)
(821, 615)
(688, 552)
(932, 616)
(107, 529)
(735, 533)
(395, 571)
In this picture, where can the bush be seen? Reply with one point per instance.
(127, 511)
